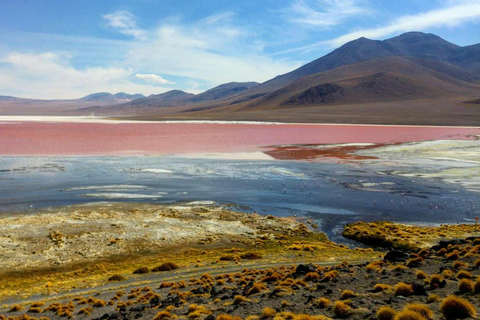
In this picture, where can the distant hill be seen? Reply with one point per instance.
(414, 78)
(105, 96)
(21, 106)
(173, 98)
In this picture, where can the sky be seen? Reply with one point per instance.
(57, 49)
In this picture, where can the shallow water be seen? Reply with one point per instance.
(331, 194)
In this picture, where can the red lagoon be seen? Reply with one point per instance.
(116, 138)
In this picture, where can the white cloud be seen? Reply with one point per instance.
(51, 76)
(213, 50)
(448, 17)
(323, 13)
(125, 23)
(462, 11)
(202, 54)
(152, 78)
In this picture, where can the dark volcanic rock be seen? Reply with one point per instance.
(396, 256)
(303, 269)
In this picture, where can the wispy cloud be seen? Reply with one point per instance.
(459, 13)
(201, 54)
(125, 23)
(323, 13)
(153, 78)
(211, 51)
(51, 75)
(447, 17)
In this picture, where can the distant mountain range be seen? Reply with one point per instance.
(105, 96)
(414, 78)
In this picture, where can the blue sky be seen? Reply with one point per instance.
(67, 49)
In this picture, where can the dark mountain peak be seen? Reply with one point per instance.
(423, 45)
(415, 35)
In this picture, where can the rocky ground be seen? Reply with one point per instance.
(82, 246)
(269, 277)
(355, 291)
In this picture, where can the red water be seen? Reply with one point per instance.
(44, 138)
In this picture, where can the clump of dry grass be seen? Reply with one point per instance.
(477, 263)
(414, 262)
(347, 294)
(380, 287)
(195, 311)
(375, 265)
(421, 275)
(142, 270)
(408, 315)
(476, 286)
(228, 317)
(274, 277)
(433, 298)
(86, 311)
(227, 258)
(285, 303)
(330, 275)
(311, 276)
(403, 289)
(117, 277)
(447, 273)
(240, 299)
(463, 275)
(167, 266)
(453, 255)
(453, 307)
(442, 252)
(386, 313)
(163, 315)
(465, 286)
(436, 279)
(459, 265)
(35, 310)
(421, 309)
(341, 309)
(268, 313)
(322, 303)
(99, 303)
(256, 288)
(400, 268)
(15, 308)
(250, 256)
(38, 304)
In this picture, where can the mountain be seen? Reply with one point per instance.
(376, 80)
(421, 45)
(224, 91)
(167, 99)
(173, 98)
(365, 81)
(21, 106)
(467, 58)
(414, 78)
(8, 98)
(105, 96)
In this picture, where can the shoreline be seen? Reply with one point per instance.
(110, 120)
